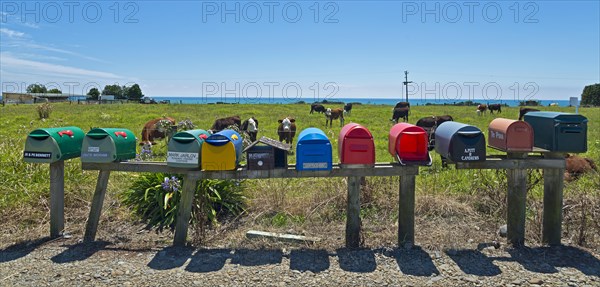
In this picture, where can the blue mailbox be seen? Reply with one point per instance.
(460, 142)
(313, 150)
(222, 151)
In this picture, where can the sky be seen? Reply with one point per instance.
(502, 50)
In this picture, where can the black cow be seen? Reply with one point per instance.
(250, 127)
(400, 113)
(495, 107)
(429, 124)
(317, 108)
(347, 108)
(523, 111)
(223, 123)
(402, 105)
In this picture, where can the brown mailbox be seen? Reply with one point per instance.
(510, 135)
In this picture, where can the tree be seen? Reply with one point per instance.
(134, 92)
(113, 90)
(36, 88)
(55, 91)
(94, 93)
(591, 95)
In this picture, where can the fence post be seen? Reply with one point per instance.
(185, 209)
(353, 213)
(516, 202)
(57, 198)
(91, 226)
(553, 201)
(406, 211)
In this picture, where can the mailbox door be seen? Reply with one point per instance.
(98, 147)
(412, 146)
(184, 149)
(260, 158)
(221, 157)
(314, 155)
(519, 137)
(571, 136)
(41, 150)
(358, 151)
(467, 145)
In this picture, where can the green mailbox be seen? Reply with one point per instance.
(53, 144)
(184, 148)
(108, 145)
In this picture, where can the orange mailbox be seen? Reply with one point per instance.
(408, 143)
(510, 135)
(356, 146)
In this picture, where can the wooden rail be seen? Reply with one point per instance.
(516, 164)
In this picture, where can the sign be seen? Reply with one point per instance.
(182, 157)
(44, 155)
(574, 101)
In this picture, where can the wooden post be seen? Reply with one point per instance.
(96, 208)
(185, 209)
(553, 201)
(57, 198)
(353, 213)
(406, 211)
(516, 202)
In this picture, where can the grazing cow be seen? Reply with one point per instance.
(250, 127)
(481, 109)
(287, 130)
(153, 129)
(400, 113)
(495, 107)
(334, 114)
(347, 108)
(402, 105)
(429, 124)
(223, 123)
(523, 111)
(577, 166)
(317, 108)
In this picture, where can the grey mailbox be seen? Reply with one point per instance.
(184, 148)
(558, 132)
(460, 142)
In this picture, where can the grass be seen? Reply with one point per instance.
(445, 194)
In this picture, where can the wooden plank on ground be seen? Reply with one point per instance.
(96, 209)
(185, 209)
(281, 236)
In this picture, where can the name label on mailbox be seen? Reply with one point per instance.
(314, 165)
(470, 156)
(182, 157)
(44, 155)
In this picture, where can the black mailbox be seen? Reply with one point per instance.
(558, 132)
(460, 142)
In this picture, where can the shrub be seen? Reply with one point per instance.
(44, 111)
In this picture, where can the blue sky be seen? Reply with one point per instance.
(452, 50)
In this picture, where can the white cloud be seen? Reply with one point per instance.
(11, 33)
(11, 63)
(52, 49)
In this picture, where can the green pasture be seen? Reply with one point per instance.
(24, 184)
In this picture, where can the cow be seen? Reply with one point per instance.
(223, 123)
(287, 130)
(402, 105)
(250, 127)
(429, 124)
(400, 113)
(334, 114)
(495, 107)
(155, 129)
(577, 166)
(347, 108)
(317, 108)
(481, 109)
(523, 111)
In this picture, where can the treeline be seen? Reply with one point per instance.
(133, 92)
(591, 95)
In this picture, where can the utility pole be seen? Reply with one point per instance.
(406, 82)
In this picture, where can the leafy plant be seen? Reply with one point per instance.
(44, 110)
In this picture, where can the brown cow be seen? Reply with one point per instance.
(481, 109)
(334, 114)
(223, 123)
(523, 111)
(495, 107)
(577, 166)
(287, 130)
(153, 130)
(400, 113)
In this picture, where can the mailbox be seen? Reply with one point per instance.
(313, 150)
(184, 148)
(104, 145)
(222, 151)
(409, 143)
(53, 144)
(460, 142)
(356, 146)
(510, 135)
(267, 153)
(558, 132)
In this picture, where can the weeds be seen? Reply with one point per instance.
(44, 111)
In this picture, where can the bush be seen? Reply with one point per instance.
(155, 199)
(44, 111)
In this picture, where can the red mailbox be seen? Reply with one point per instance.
(408, 143)
(356, 146)
(510, 135)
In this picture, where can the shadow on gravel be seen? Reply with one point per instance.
(309, 260)
(357, 260)
(79, 252)
(546, 259)
(19, 250)
(170, 257)
(248, 257)
(474, 262)
(208, 260)
(414, 262)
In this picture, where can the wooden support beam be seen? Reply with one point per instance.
(353, 222)
(96, 209)
(184, 211)
(57, 198)
(553, 202)
(406, 211)
(512, 163)
(516, 203)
